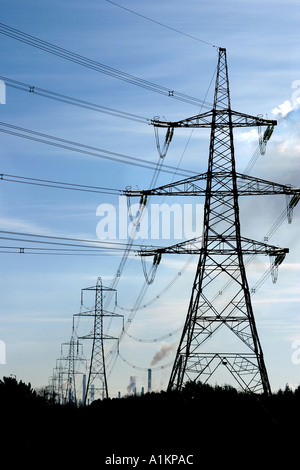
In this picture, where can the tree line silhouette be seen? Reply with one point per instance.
(203, 420)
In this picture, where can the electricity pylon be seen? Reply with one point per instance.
(97, 381)
(220, 250)
(60, 384)
(67, 392)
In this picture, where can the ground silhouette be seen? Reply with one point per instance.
(215, 423)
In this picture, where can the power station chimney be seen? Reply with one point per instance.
(92, 393)
(149, 380)
(83, 388)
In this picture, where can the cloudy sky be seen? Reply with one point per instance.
(174, 46)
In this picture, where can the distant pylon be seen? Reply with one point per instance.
(97, 381)
(67, 392)
(71, 384)
(220, 298)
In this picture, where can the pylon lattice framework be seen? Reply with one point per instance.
(66, 392)
(97, 381)
(221, 251)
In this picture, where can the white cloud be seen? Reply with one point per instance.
(248, 136)
(9, 223)
(285, 108)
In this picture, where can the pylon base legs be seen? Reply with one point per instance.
(245, 368)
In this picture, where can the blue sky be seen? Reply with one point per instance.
(40, 293)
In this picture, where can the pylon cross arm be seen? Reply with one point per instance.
(247, 120)
(250, 185)
(222, 118)
(218, 245)
(246, 186)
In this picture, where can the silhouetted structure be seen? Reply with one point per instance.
(96, 381)
(220, 298)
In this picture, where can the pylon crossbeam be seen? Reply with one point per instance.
(246, 186)
(203, 120)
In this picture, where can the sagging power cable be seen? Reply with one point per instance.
(97, 66)
(83, 148)
(161, 24)
(59, 184)
(34, 90)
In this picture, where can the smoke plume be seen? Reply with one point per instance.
(162, 353)
(132, 384)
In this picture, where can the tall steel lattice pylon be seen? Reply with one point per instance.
(97, 381)
(221, 227)
(221, 250)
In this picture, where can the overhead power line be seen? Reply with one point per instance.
(144, 368)
(161, 24)
(65, 241)
(59, 240)
(34, 90)
(86, 149)
(59, 184)
(97, 66)
(51, 251)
